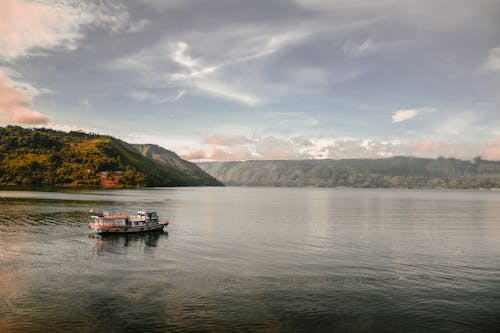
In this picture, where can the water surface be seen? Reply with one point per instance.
(253, 259)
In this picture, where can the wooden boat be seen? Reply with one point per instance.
(144, 221)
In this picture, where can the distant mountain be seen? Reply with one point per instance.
(49, 157)
(172, 162)
(405, 172)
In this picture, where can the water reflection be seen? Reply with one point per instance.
(108, 243)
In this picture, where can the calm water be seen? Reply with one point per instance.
(254, 259)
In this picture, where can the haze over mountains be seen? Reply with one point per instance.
(405, 172)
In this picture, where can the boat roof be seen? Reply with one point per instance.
(145, 211)
(114, 216)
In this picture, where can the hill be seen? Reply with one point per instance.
(49, 157)
(405, 172)
(172, 162)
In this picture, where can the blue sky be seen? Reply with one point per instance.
(226, 79)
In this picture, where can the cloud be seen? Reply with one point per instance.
(492, 152)
(15, 103)
(406, 114)
(426, 148)
(230, 148)
(322, 5)
(235, 148)
(85, 103)
(359, 50)
(180, 56)
(144, 96)
(26, 27)
(32, 27)
(277, 149)
(208, 153)
(137, 26)
(70, 127)
(403, 115)
(368, 47)
(222, 140)
(463, 123)
(201, 77)
(492, 62)
(220, 89)
(236, 62)
(210, 63)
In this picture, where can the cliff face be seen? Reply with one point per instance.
(406, 172)
(48, 157)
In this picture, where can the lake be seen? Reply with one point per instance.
(253, 259)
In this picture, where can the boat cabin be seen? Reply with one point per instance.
(111, 220)
(147, 216)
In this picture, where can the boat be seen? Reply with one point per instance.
(112, 223)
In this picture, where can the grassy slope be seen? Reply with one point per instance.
(43, 156)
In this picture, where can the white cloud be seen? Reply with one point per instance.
(403, 115)
(460, 124)
(208, 69)
(227, 148)
(200, 77)
(209, 78)
(368, 47)
(70, 127)
(406, 114)
(32, 27)
(358, 50)
(29, 26)
(492, 63)
(220, 89)
(180, 56)
(260, 46)
(144, 96)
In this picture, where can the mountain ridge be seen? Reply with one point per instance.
(171, 161)
(398, 172)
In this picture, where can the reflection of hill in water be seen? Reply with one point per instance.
(110, 243)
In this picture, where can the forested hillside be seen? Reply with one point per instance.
(49, 157)
(405, 172)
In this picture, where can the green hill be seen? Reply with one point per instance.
(405, 172)
(49, 157)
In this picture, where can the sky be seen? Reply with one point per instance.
(218, 80)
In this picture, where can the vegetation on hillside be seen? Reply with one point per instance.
(400, 172)
(44, 156)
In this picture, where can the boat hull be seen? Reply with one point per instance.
(127, 229)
